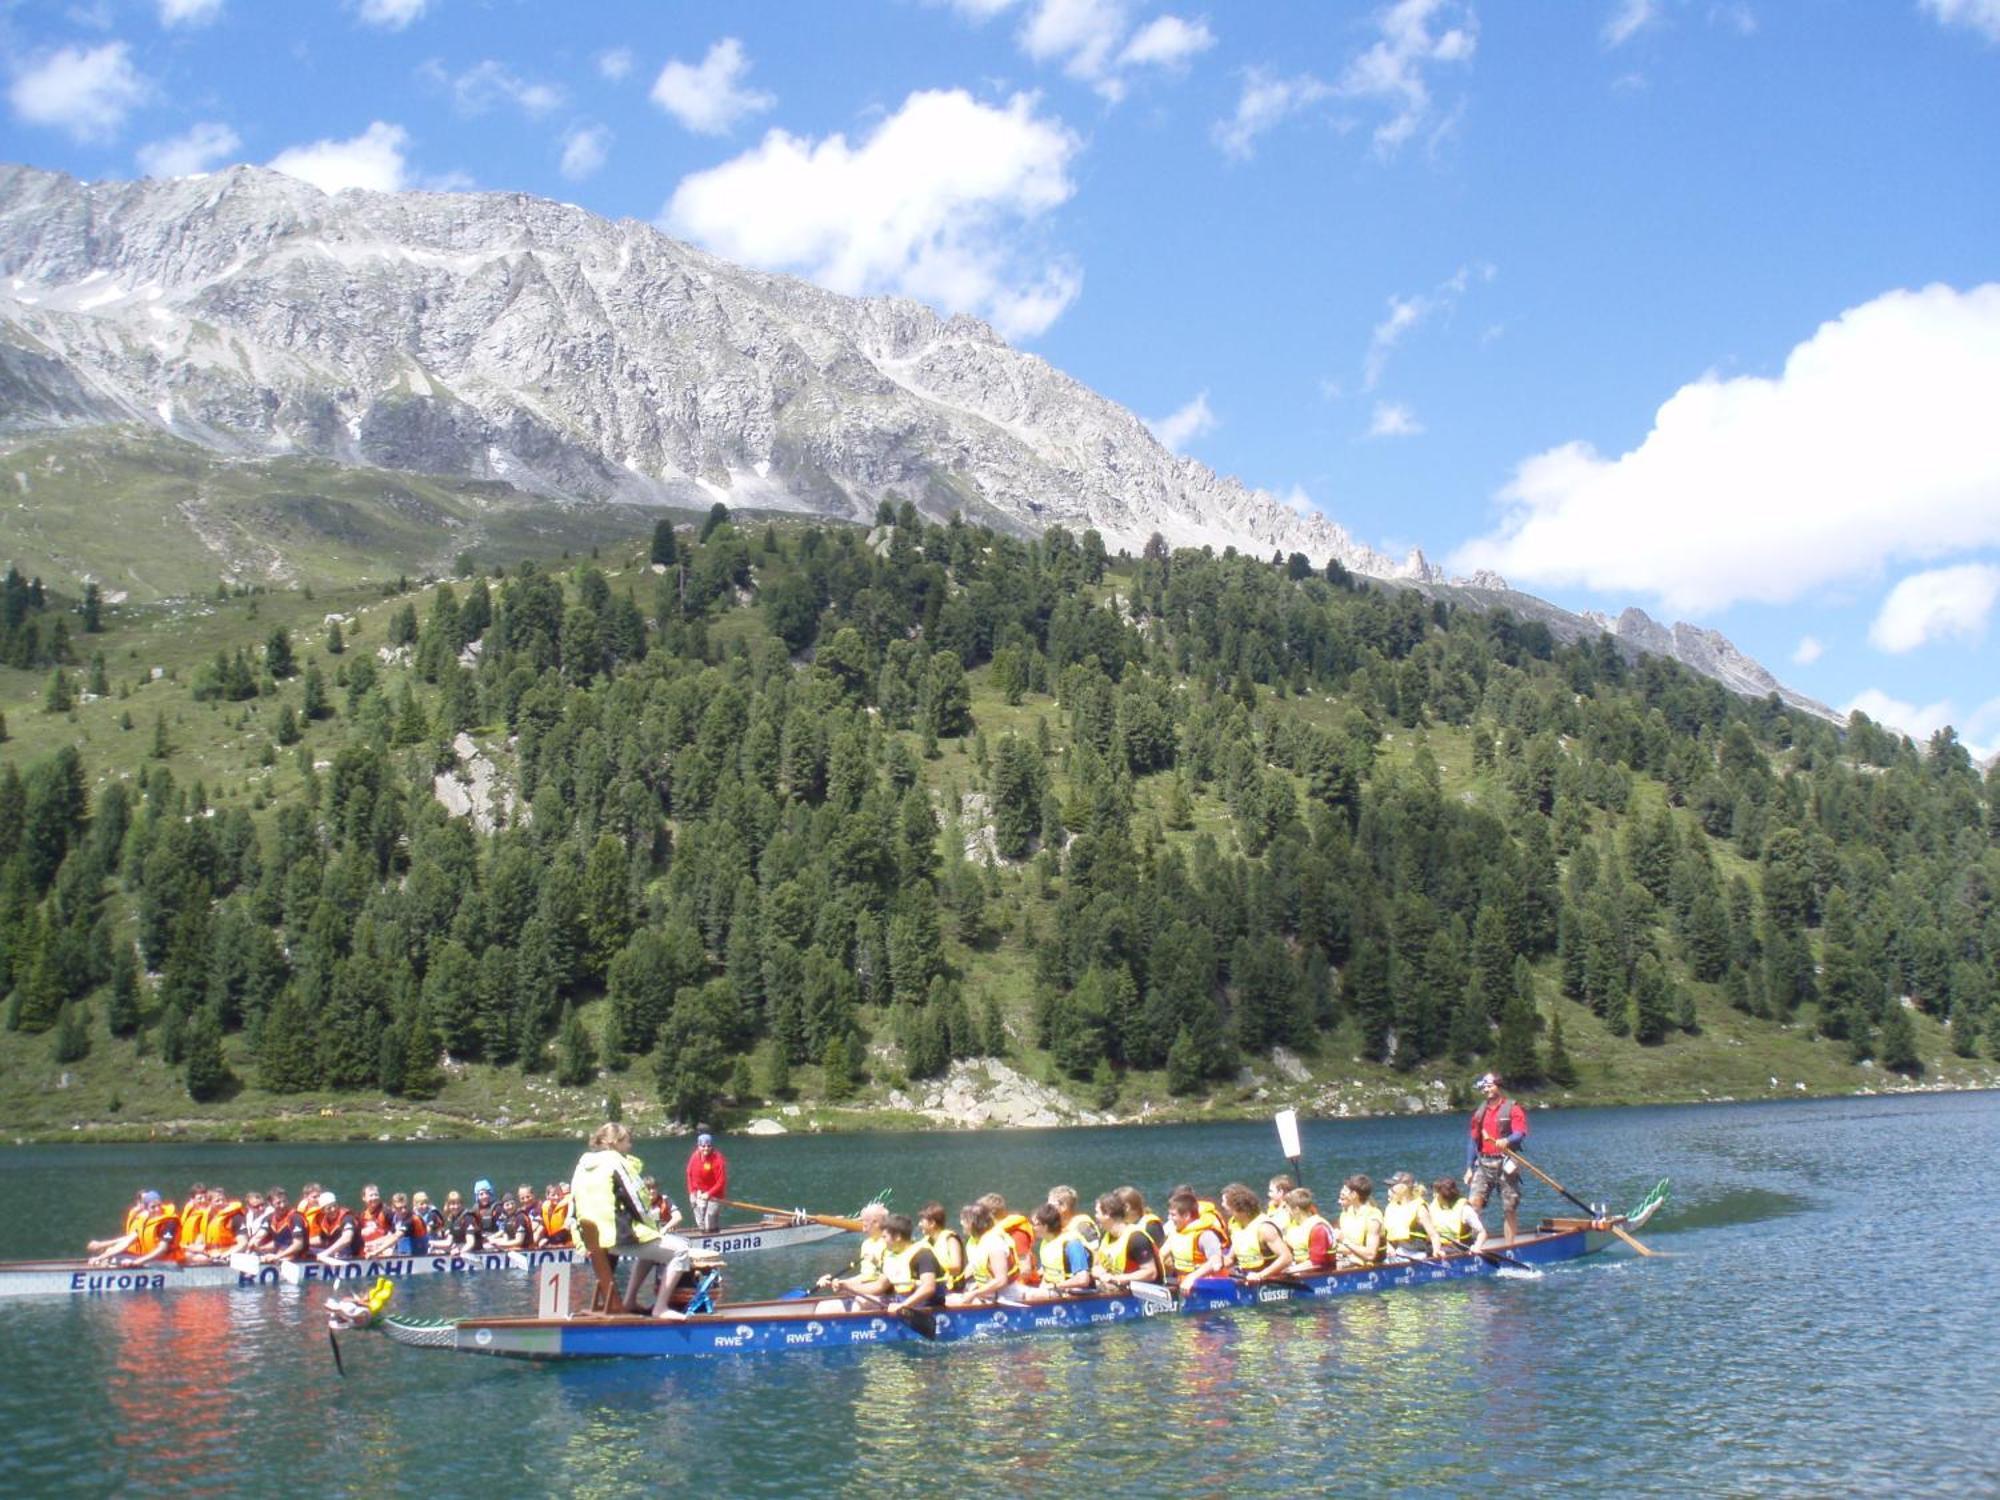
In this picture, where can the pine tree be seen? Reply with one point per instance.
(161, 746)
(60, 696)
(777, 1072)
(1560, 1070)
(287, 1057)
(576, 1057)
(121, 1014)
(423, 1078)
(1184, 1064)
(836, 1063)
(664, 550)
(1652, 1002)
(208, 1075)
(1514, 1055)
(72, 1038)
(1897, 1047)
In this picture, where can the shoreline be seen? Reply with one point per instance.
(363, 1126)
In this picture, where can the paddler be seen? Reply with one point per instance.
(1195, 1245)
(256, 1218)
(867, 1263)
(338, 1236)
(1123, 1254)
(1075, 1220)
(159, 1236)
(1455, 1222)
(1361, 1241)
(1257, 1248)
(529, 1215)
(194, 1217)
(101, 1251)
(556, 1216)
(1142, 1219)
(1406, 1219)
(910, 1270)
(399, 1238)
(1307, 1234)
(1497, 1128)
(995, 1267)
(946, 1243)
(429, 1230)
(1060, 1254)
(285, 1235)
(1019, 1230)
(373, 1213)
(223, 1229)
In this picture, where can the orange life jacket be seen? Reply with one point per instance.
(555, 1218)
(220, 1235)
(328, 1227)
(194, 1225)
(311, 1216)
(156, 1221)
(1022, 1233)
(134, 1217)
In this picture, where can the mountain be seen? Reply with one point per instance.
(500, 339)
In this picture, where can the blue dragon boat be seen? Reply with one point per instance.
(787, 1327)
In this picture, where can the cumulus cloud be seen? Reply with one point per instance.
(1392, 419)
(935, 202)
(1978, 729)
(976, 10)
(710, 96)
(489, 83)
(1167, 42)
(372, 160)
(1982, 16)
(1413, 36)
(1264, 102)
(1933, 606)
(189, 12)
(1808, 650)
(585, 148)
(615, 63)
(194, 150)
(1628, 20)
(1182, 427)
(85, 91)
(391, 15)
(1874, 443)
(1082, 34)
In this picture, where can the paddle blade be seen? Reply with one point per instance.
(1288, 1134)
(334, 1344)
(923, 1321)
(1153, 1292)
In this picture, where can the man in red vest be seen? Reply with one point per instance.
(1499, 1125)
(707, 1182)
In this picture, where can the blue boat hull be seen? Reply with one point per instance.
(783, 1328)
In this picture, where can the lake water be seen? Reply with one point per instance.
(1824, 1325)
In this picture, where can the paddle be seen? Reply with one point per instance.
(1617, 1229)
(334, 1344)
(834, 1221)
(1151, 1291)
(1288, 1141)
(922, 1321)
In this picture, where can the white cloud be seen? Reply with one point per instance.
(1392, 419)
(489, 83)
(1166, 42)
(1405, 314)
(1628, 20)
(615, 63)
(391, 15)
(933, 203)
(585, 148)
(189, 12)
(1264, 103)
(709, 97)
(1084, 34)
(1918, 721)
(1182, 427)
(195, 150)
(1392, 70)
(1983, 16)
(1875, 443)
(87, 93)
(1934, 605)
(976, 10)
(372, 160)
(1808, 650)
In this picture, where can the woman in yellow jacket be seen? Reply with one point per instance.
(1361, 1240)
(612, 1214)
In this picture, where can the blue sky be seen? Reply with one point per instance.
(1688, 304)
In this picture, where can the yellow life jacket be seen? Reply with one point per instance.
(1084, 1227)
(1404, 1221)
(1053, 1257)
(995, 1247)
(1451, 1224)
(1183, 1250)
(951, 1262)
(1354, 1224)
(1298, 1235)
(194, 1226)
(1246, 1245)
(870, 1259)
(896, 1266)
(1110, 1251)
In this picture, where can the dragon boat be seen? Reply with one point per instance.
(58, 1278)
(795, 1326)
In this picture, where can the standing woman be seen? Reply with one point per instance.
(707, 1182)
(607, 1193)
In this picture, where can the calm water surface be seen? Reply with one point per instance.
(1816, 1331)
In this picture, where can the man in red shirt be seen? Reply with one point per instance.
(707, 1182)
(1498, 1126)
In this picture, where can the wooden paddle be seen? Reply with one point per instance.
(1617, 1229)
(835, 1221)
(922, 1321)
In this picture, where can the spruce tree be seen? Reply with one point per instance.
(121, 1013)
(1514, 1055)
(576, 1057)
(207, 1075)
(1560, 1070)
(423, 1078)
(72, 1038)
(287, 1056)
(1184, 1064)
(1897, 1048)
(1652, 1002)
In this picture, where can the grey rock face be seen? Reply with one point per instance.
(498, 336)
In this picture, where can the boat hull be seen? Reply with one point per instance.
(784, 1328)
(73, 1279)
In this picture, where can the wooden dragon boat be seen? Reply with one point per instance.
(784, 1327)
(58, 1278)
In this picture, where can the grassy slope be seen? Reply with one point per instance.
(115, 1092)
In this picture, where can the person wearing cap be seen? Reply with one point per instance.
(707, 1182)
(337, 1233)
(1498, 1126)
